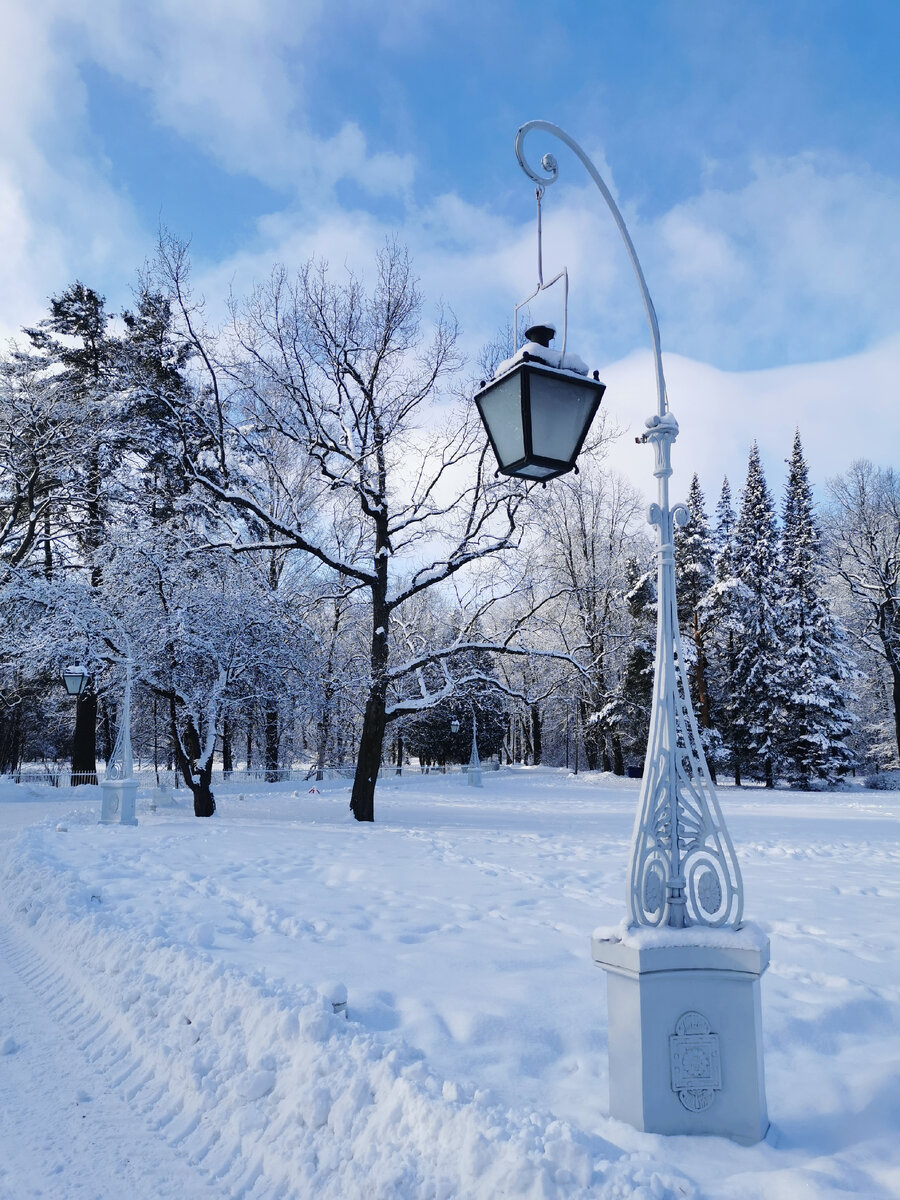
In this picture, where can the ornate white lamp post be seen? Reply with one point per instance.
(685, 1043)
(119, 787)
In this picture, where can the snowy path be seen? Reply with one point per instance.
(73, 1101)
(75, 1120)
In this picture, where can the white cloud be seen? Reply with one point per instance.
(228, 76)
(803, 258)
(224, 74)
(59, 216)
(845, 409)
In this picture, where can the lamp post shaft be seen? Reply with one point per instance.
(121, 760)
(119, 786)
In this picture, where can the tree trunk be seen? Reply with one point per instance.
(895, 696)
(204, 801)
(527, 744)
(371, 740)
(84, 740)
(536, 735)
(591, 737)
(323, 727)
(618, 763)
(11, 739)
(48, 548)
(227, 758)
(362, 798)
(197, 776)
(270, 730)
(106, 732)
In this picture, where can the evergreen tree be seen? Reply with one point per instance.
(723, 538)
(754, 705)
(75, 349)
(428, 734)
(154, 363)
(626, 716)
(694, 577)
(720, 616)
(815, 720)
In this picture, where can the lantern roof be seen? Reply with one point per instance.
(566, 362)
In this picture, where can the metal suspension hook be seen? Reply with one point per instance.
(539, 192)
(563, 274)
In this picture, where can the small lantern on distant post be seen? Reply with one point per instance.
(454, 725)
(76, 679)
(538, 408)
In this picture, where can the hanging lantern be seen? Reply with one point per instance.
(537, 410)
(76, 680)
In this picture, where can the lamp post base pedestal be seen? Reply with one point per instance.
(118, 798)
(685, 1030)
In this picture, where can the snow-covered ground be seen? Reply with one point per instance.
(166, 995)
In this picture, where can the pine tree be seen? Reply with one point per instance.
(626, 715)
(754, 707)
(720, 616)
(154, 362)
(694, 577)
(74, 345)
(723, 538)
(815, 720)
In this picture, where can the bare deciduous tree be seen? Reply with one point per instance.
(862, 528)
(321, 394)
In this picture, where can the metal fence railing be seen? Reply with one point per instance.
(56, 776)
(53, 777)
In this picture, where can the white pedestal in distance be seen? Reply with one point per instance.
(117, 807)
(685, 1030)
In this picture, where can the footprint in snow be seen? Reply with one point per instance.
(9, 1045)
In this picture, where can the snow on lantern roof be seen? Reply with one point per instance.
(556, 360)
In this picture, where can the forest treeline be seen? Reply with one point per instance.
(292, 527)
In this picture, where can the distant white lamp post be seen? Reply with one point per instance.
(119, 787)
(473, 775)
(685, 1042)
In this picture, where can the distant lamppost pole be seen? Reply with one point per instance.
(75, 680)
(685, 1042)
(454, 726)
(119, 787)
(473, 775)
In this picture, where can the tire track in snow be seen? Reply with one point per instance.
(67, 1129)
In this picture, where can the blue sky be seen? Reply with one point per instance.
(754, 149)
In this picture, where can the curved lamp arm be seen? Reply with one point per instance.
(549, 165)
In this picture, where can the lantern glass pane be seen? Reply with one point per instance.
(502, 412)
(560, 411)
(535, 471)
